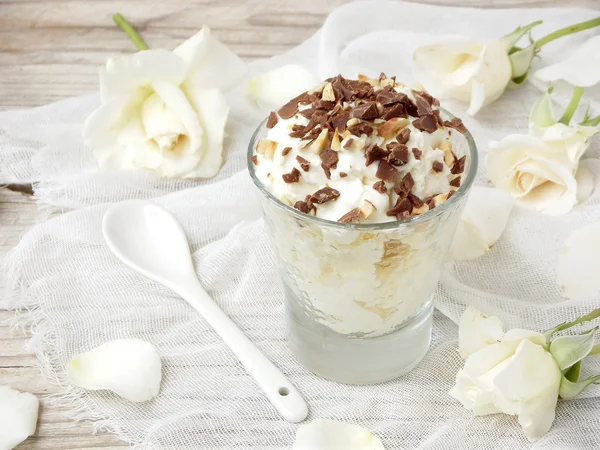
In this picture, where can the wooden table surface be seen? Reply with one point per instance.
(51, 49)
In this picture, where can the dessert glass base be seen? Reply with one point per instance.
(359, 361)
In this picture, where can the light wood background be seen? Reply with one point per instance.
(51, 49)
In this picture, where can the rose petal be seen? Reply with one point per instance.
(477, 97)
(476, 331)
(18, 416)
(102, 126)
(125, 74)
(578, 262)
(580, 68)
(211, 106)
(209, 64)
(472, 396)
(572, 140)
(585, 181)
(528, 386)
(482, 223)
(516, 335)
(129, 367)
(276, 87)
(333, 435)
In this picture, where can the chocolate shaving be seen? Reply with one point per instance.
(324, 195)
(305, 164)
(386, 171)
(417, 153)
(427, 96)
(426, 123)
(388, 96)
(398, 155)
(403, 205)
(379, 186)
(298, 131)
(308, 112)
(291, 177)
(410, 107)
(374, 153)
(416, 201)
(397, 110)
(348, 143)
(459, 166)
(437, 166)
(329, 160)
(457, 124)
(343, 174)
(361, 128)
(286, 150)
(351, 216)
(366, 111)
(423, 106)
(302, 206)
(339, 121)
(404, 136)
(455, 182)
(272, 120)
(288, 110)
(254, 160)
(341, 91)
(403, 187)
(324, 104)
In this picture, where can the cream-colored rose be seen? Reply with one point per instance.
(165, 111)
(516, 375)
(469, 71)
(538, 175)
(572, 140)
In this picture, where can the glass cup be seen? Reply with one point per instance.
(358, 297)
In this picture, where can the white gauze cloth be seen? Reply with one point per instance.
(75, 294)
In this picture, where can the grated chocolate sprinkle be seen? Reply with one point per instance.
(286, 150)
(397, 110)
(272, 120)
(457, 124)
(343, 174)
(379, 186)
(459, 166)
(417, 153)
(361, 128)
(324, 195)
(305, 164)
(291, 177)
(402, 206)
(339, 121)
(416, 201)
(403, 187)
(374, 153)
(398, 155)
(386, 171)
(437, 166)
(288, 110)
(404, 136)
(455, 182)
(366, 111)
(351, 216)
(254, 160)
(329, 160)
(348, 143)
(426, 123)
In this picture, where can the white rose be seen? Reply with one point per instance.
(163, 110)
(516, 376)
(469, 71)
(538, 175)
(572, 140)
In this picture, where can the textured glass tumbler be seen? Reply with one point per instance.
(359, 296)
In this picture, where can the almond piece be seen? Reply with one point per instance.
(371, 81)
(391, 128)
(318, 145)
(285, 200)
(335, 141)
(449, 157)
(318, 88)
(367, 209)
(423, 209)
(387, 82)
(266, 148)
(440, 198)
(351, 122)
(328, 94)
(346, 134)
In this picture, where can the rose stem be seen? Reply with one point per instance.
(566, 31)
(130, 31)
(572, 106)
(563, 326)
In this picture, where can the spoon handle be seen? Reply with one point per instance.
(278, 389)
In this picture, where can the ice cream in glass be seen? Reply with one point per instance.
(362, 184)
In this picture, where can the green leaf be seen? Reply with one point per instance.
(568, 350)
(512, 38)
(563, 326)
(591, 122)
(569, 390)
(541, 113)
(521, 61)
(573, 373)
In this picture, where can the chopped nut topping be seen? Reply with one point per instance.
(449, 157)
(391, 127)
(421, 210)
(351, 216)
(320, 142)
(328, 94)
(266, 148)
(335, 141)
(367, 209)
(439, 199)
(291, 177)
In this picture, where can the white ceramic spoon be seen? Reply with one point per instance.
(150, 240)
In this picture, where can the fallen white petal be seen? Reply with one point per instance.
(580, 68)
(333, 435)
(585, 181)
(482, 223)
(477, 330)
(129, 367)
(18, 416)
(477, 97)
(578, 262)
(276, 87)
